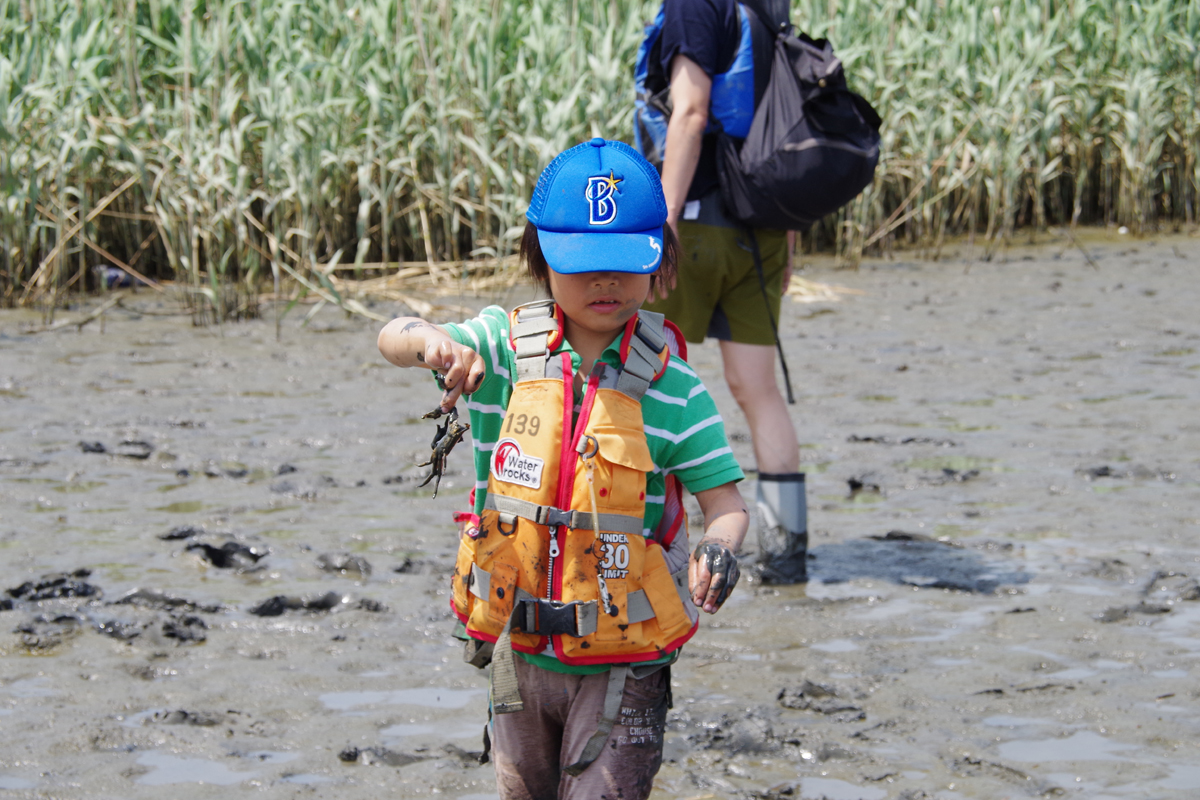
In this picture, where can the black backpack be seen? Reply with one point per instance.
(813, 145)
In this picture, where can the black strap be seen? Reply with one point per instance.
(762, 283)
(776, 19)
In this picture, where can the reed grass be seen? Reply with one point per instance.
(321, 148)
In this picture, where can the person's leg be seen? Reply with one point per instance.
(780, 493)
(527, 744)
(630, 759)
(749, 305)
(750, 373)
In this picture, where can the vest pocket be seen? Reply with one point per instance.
(621, 469)
(502, 592)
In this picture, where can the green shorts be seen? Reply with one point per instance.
(718, 292)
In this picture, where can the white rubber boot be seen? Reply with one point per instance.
(782, 528)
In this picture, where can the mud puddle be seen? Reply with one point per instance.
(217, 569)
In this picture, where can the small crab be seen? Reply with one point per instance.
(448, 434)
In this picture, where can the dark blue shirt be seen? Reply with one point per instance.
(707, 32)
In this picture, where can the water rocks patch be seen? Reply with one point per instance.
(913, 560)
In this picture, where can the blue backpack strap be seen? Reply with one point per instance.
(651, 95)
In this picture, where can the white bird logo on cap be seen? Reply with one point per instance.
(657, 249)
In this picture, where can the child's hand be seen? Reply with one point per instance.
(461, 368)
(413, 342)
(712, 574)
(713, 569)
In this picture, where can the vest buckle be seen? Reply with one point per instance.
(551, 617)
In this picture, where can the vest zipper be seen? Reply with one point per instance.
(568, 377)
(568, 458)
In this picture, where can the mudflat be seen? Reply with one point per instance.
(217, 568)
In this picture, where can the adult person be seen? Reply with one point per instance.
(719, 291)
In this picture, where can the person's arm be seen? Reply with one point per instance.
(713, 569)
(690, 91)
(413, 342)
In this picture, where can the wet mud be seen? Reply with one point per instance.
(218, 567)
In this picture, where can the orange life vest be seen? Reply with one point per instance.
(561, 556)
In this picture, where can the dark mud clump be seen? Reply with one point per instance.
(43, 633)
(380, 755)
(56, 586)
(889, 440)
(230, 555)
(1136, 472)
(1119, 613)
(161, 601)
(822, 699)
(330, 601)
(180, 532)
(345, 564)
(135, 449)
(186, 629)
(200, 719)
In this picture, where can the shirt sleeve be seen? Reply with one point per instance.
(695, 448)
(706, 31)
(487, 334)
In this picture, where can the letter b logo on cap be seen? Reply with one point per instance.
(601, 196)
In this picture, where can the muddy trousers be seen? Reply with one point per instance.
(782, 527)
(532, 747)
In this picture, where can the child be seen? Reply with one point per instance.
(570, 575)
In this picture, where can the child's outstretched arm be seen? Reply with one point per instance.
(713, 569)
(413, 342)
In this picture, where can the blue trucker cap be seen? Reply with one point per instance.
(599, 207)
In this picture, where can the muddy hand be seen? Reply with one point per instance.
(714, 573)
(460, 370)
(448, 434)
